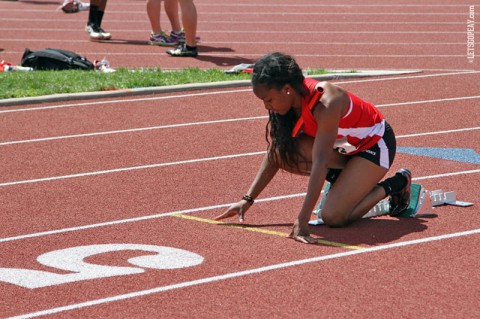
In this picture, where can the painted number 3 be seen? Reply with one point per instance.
(72, 260)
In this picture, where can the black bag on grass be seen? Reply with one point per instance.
(55, 59)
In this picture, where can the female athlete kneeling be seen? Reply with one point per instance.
(320, 130)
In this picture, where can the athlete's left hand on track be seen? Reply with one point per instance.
(301, 234)
(226, 214)
(236, 209)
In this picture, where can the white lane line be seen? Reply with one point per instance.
(310, 43)
(131, 168)
(272, 42)
(440, 132)
(143, 99)
(432, 101)
(409, 77)
(189, 211)
(455, 73)
(329, 5)
(248, 272)
(249, 22)
(294, 5)
(111, 223)
(420, 178)
(258, 55)
(140, 218)
(150, 128)
(196, 160)
(316, 55)
(283, 13)
(52, 138)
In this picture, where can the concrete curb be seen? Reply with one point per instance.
(187, 87)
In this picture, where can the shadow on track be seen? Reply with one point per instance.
(372, 231)
(57, 3)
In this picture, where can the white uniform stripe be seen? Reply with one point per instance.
(384, 154)
(350, 108)
(363, 132)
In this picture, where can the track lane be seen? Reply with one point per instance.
(422, 22)
(97, 153)
(447, 293)
(363, 266)
(134, 112)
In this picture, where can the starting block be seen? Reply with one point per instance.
(439, 197)
(421, 202)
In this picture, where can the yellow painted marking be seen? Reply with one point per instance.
(264, 231)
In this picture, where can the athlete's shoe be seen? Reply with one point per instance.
(163, 39)
(97, 33)
(400, 200)
(180, 36)
(83, 6)
(93, 32)
(105, 35)
(183, 51)
(73, 6)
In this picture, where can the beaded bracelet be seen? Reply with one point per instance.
(249, 199)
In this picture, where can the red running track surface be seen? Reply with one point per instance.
(147, 172)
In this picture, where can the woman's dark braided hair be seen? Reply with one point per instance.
(273, 71)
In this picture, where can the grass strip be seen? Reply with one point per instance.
(38, 83)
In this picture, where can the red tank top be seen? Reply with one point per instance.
(361, 127)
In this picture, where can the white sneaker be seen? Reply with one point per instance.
(105, 35)
(97, 33)
(94, 32)
(103, 66)
(83, 6)
(73, 6)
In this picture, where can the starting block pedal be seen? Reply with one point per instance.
(421, 202)
(439, 197)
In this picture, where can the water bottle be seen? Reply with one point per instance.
(7, 67)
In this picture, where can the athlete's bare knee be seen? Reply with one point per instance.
(334, 219)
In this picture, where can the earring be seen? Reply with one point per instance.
(288, 92)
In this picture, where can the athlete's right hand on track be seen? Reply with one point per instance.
(236, 209)
(300, 233)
